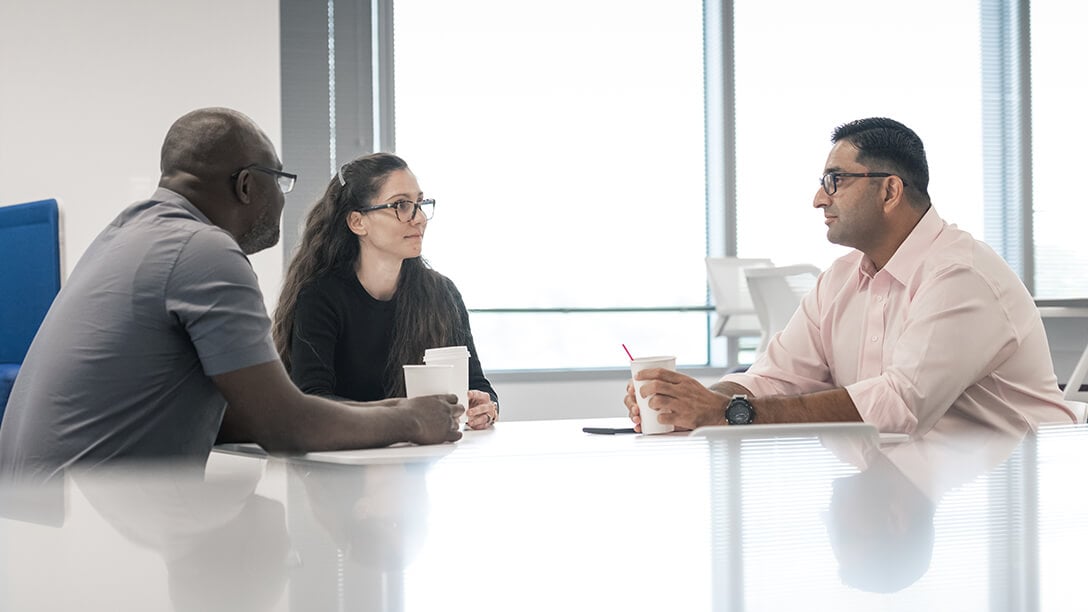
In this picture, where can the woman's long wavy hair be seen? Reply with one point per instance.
(427, 312)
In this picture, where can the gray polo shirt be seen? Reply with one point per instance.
(161, 301)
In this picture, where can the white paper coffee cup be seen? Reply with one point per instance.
(428, 380)
(650, 424)
(456, 356)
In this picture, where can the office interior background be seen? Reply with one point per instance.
(586, 155)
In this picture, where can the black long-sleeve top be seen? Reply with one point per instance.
(342, 338)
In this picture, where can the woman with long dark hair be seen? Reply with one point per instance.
(359, 302)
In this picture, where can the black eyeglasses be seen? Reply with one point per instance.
(830, 181)
(285, 180)
(406, 210)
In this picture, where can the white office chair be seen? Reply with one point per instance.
(776, 294)
(736, 314)
(1066, 326)
(1073, 395)
(1080, 410)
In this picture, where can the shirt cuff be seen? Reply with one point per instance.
(881, 407)
(758, 385)
(262, 352)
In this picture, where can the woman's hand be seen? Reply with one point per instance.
(482, 412)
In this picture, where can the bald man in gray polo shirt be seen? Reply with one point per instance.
(161, 325)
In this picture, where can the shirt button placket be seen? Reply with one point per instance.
(872, 353)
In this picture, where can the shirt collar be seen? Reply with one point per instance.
(910, 255)
(162, 194)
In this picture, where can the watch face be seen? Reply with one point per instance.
(739, 413)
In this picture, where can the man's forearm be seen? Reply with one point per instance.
(231, 430)
(832, 406)
(265, 407)
(332, 425)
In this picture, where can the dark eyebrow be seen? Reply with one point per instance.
(404, 196)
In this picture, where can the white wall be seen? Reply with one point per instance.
(88, 90)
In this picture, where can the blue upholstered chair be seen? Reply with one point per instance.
(30, 275)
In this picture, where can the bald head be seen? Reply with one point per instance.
(221, 162)
(209, 144)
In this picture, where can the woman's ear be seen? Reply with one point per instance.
(357, 223)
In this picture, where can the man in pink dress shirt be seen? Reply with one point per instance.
(920, 322)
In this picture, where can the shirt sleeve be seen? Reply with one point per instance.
(957, 330)
(318, 326)
(794, 362)
(213, 293)
(476, 379)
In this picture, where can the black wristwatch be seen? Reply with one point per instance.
(739, 411)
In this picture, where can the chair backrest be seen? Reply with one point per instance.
(1080, 410)
(732, 300)
(1066, 325)
(30, 273)
(1077, 379)
(776, 294)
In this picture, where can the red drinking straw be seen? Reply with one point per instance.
(627, 351)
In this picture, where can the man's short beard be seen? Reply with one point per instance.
(264, 234)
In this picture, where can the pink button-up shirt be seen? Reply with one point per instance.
(945, 327)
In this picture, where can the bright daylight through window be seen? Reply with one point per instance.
(790, 99)
(564, 144)
(1058, 136)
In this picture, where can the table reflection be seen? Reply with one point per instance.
(536, 516)
(224, 547)
(357, 527)
(880, 526)
(880, 521)
(839, 516)
(130, 538)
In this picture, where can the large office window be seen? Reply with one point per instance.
(1059, 141)
(563, 142)
(802, 68)
(566, 144)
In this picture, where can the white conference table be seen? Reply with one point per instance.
(541, 516)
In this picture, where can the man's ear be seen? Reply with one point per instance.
(243, 186)
(357, 223)
(894, 193)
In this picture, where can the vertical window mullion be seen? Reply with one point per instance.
(1006, 117)
(719, 83)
